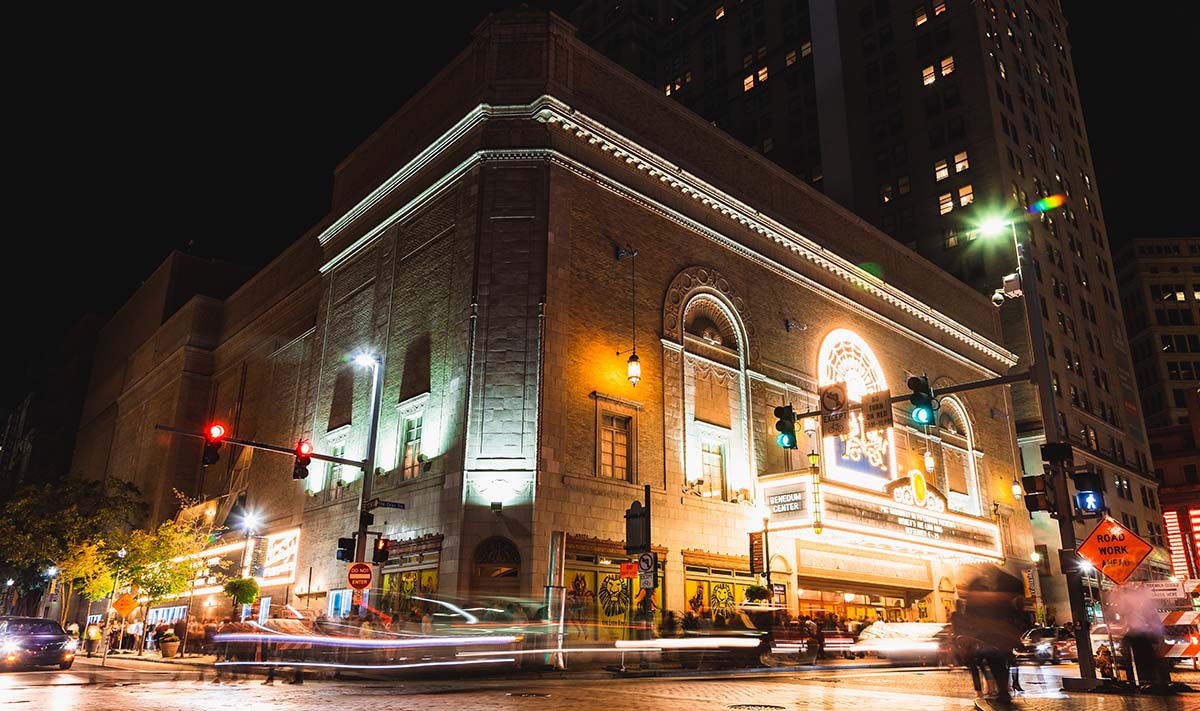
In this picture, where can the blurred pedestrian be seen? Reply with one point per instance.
(993, 600)
(1137, 613)
(92, 635)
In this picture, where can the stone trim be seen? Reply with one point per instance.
(692, 556)
(419, 544)
(607, 547)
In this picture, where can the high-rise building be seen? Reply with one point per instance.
(928, 119)
(1160, 291)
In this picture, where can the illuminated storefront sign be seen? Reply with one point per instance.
(787, 503)
(1179, 564)
(910, 512)
(271, 558)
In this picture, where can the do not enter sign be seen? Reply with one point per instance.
(1114, 550)
(359, 576)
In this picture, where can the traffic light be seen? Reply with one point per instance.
(214, 436)
(1040, 493)
(1089, 488)
(380, 555)
(345, 549)
(923, 402)
(304, 451)
(786, 427)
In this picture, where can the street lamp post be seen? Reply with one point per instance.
(108, 617)
(360, 543)
(1040, 368)
(1038, 613)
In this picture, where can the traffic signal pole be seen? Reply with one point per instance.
(1040, 372)
(368, 465)
(291, 452)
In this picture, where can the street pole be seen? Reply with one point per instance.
(1040, 368)
(108, 617)
(368, 465)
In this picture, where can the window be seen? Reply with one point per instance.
(720, 12)
(960, 162)
(748, 82)
(940, 170)
(948, 66)
(920, 16)
(762, 75)
(939, 8)
(945, 203)
(806, 49)
(927, 75)
(614, 446)
(885, 193)
(965, 196)
(790, 58)
(410, 447)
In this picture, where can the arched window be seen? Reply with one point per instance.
(717, 466)
(958, 478)
(860, 458)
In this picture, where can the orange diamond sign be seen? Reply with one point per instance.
(124, 605)
(1114, 550)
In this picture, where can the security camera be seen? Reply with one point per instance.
(998, 298)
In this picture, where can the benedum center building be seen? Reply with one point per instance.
(502, 245)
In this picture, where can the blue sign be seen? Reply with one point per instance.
(1089, 501)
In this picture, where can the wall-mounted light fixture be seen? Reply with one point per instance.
(633, 366)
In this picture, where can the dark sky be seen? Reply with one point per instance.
(219, 135)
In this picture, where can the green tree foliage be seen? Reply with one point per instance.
(156, 561)
(243, 591)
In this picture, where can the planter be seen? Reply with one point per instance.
(168, 649)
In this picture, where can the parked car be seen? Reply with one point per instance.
(33, 641)
(927, 643)
(1046, 645)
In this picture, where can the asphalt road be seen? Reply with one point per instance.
(130, 686)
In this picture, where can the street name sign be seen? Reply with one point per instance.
(124, 605)
(629, 570)
(835, 419)
(1114, 550)
(378, 503)
(359, 576)
(877, 410)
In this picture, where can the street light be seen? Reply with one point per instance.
(1024, 284)
(367, 360)
(108, 617)
(51, 572)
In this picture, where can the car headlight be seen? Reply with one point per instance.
(71, 645)
(9, 647)
(1043, 647)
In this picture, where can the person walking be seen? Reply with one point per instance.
(92, 635)
(993, 603)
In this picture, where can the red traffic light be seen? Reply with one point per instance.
(304, 448)
(216, 431)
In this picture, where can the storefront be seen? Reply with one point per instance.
(600, 604)
(409, 579)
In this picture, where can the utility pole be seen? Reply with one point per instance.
(1060, 457)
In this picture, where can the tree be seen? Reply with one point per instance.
(242, 591)
(47, 526)
(158, 562)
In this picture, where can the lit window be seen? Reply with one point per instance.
(688, 77)
(960, 162)
(951, 239)
(902, 186)
(927, 75)
(885, 193)
(940, 170)
(719, 13)
(920, 16)
(762, 74)
(965, 196)
(806, 49)
(939, 8)
(410, 450)
(945, 203)
(614, 447)
(948, 65)
(668, 89)
(712, 467)
(790, 59)
(748, 82)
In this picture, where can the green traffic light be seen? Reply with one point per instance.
(786, 440)
(922, 415)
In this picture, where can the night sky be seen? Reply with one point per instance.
(219, 136)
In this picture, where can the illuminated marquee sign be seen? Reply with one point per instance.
(860, 458)
(1179, 563)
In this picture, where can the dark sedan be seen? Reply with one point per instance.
(1046, 645)
(35, 642)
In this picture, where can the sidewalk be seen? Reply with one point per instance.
(199, 660)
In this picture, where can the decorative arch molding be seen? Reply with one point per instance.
(698, 280)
